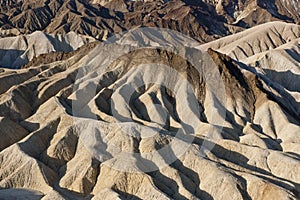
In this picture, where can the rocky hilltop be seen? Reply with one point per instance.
(203, 20)
(98, 102)
(59, 141)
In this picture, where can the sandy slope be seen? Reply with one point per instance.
(256, 40)
(19, 50)
(271, 50)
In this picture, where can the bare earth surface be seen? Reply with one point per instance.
(137, 116)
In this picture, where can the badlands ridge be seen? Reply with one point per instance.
(66, 119)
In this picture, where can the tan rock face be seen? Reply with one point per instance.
(121, 121)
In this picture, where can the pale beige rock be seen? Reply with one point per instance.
(58, 141)
(19, 50)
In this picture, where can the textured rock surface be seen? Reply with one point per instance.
(19, 50)
(204, 20)
(255, 156)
